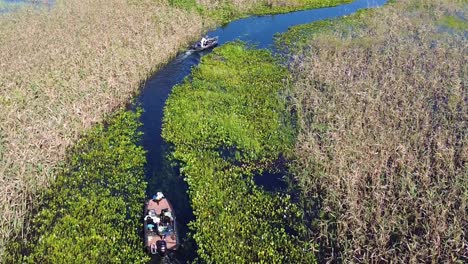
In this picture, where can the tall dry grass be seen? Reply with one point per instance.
(382, 149)
(246, 5)
(61, 72)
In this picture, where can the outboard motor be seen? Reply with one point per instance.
(161, 246)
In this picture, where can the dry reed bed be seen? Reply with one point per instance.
(382, 149)
(246, 5)
(61, 72)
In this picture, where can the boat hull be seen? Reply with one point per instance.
(169, 235)
(213, 42)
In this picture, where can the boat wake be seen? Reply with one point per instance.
(184, 55)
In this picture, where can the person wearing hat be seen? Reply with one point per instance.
(158, 197)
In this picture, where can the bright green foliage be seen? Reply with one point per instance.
(226, 123)
(237, 222)
(454, 22)
(296, 37)
(231, 105)
(92, 213)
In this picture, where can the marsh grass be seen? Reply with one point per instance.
(382, 148)
(223, 11)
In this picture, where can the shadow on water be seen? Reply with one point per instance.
(161, 176)
(272, 181)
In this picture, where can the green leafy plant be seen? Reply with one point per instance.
(454, 22)
(92, 213)
(227, 122)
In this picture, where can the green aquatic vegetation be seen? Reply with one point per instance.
(454, 22)
(228, 105)
(227, 122)
(297, 36)
(237, 222)
(92, 213)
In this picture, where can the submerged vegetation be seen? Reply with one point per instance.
(64, 69)
(93, 212)
(227, 122)
(382, 148)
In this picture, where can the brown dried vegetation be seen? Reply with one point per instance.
(251, 4)
(382, 148)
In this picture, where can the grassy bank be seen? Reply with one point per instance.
(223, 11)
(226, 123)
(382, 148)
(63, 70)
(93, 211)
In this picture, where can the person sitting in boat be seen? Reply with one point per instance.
(204, 41)
(158, 197)
(166, 216)
(162, 229)
(152, 218)
(149, 220)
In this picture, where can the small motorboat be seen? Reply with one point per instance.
(160, 226)
(205, 43)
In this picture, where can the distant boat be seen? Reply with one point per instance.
(160, 226)
(208, 43)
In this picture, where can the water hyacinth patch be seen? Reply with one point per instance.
(93, 212)
(226, 122)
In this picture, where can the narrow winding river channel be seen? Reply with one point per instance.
(258, 30)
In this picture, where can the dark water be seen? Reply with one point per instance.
(258, 30)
